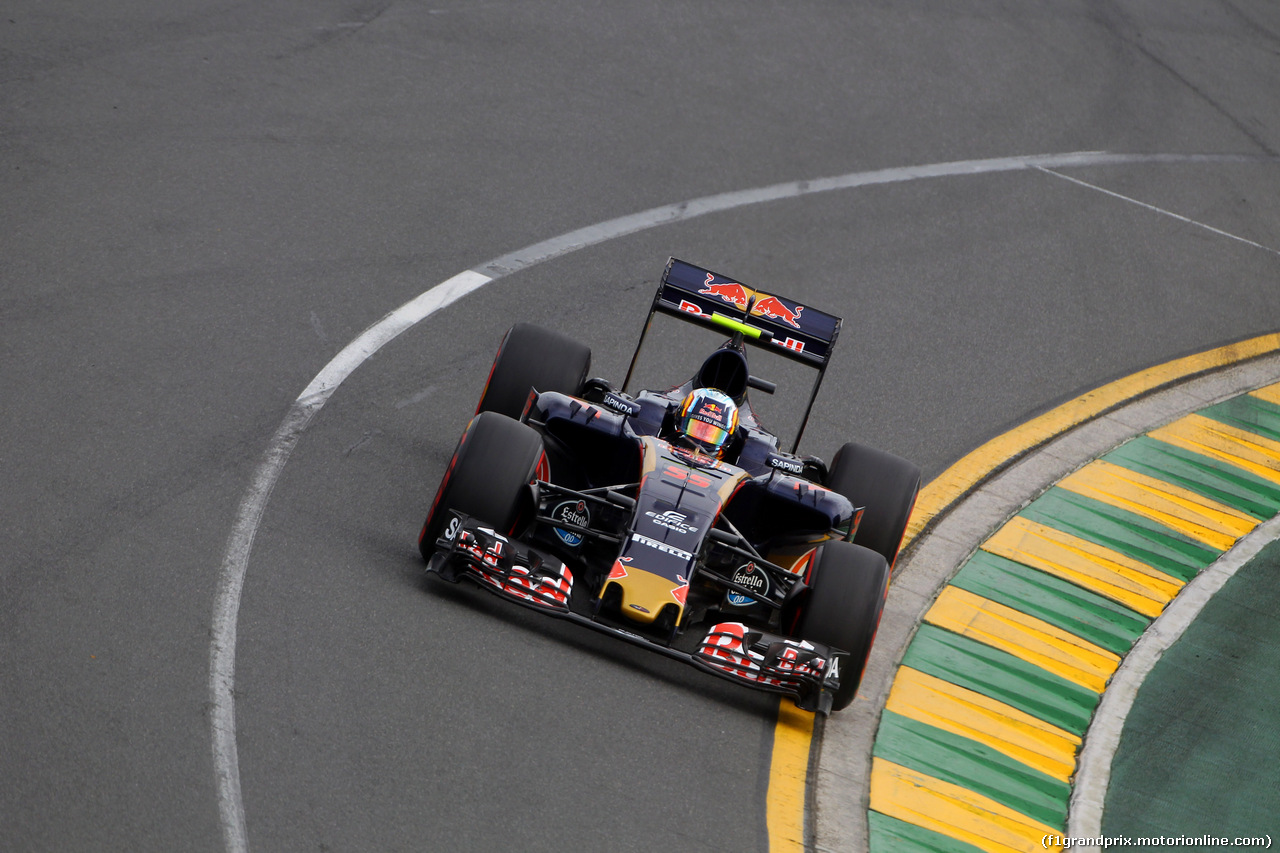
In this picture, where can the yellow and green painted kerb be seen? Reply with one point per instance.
(977, 743)
(978, 739)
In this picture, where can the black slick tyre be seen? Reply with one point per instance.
(531, 357)
(848, 585)
(496, 459)
(886, 485)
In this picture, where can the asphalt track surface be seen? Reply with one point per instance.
(204, 202)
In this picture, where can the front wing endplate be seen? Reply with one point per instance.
(502, 565)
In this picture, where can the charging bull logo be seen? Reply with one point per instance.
(773, 308)
(734, 294)
(737, 295)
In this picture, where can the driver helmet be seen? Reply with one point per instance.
(710, 418)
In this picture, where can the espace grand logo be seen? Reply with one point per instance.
(672, 520)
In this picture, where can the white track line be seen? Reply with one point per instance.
(235, 562)
(1155, 209)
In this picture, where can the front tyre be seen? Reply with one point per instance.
(488, 477)
(886, 485)
(533, 357)
(848, 584)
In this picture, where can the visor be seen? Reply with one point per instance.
(705, 432)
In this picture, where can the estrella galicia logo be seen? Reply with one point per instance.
(575, 513)
(753, 578)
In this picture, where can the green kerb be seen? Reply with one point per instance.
(1001, 676)
(1248, 413)
(1122, 531)
(973, 766)
(1061, 603)
(890, 835)
(1203, 475)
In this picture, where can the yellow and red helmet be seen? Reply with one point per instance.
(710, 418)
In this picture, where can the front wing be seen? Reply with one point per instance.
(808, 672)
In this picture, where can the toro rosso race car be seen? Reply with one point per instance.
(672, 519)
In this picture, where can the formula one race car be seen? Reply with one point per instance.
(671, 519)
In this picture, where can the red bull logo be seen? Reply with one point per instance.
(737, 295)
(734, 294)
(773, 308)
(710, 409)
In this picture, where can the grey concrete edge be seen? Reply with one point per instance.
(841, 789)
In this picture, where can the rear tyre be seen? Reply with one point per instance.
(533, 357)
(886, 485)
(848, 585)
(488, 477)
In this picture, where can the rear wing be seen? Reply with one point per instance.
(782, 325)
(774, 323)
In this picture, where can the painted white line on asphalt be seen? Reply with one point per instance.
(235, 563)
(253, 504)
(1093, 771)
(622, 226)
(1160, 210)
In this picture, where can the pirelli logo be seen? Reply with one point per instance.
(661, 546)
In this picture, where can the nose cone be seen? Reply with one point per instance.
(644, 594)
